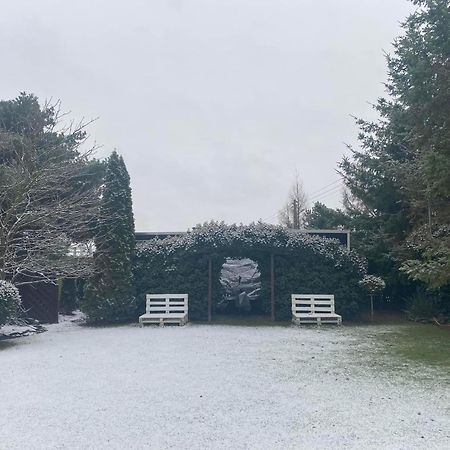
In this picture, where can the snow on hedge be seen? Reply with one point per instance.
(9, 301)
(220, 236)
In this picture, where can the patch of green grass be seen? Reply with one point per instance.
(419, 343)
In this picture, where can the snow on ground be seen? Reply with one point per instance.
(13, 331)
(216, 387)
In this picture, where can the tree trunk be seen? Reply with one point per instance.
(2, 256)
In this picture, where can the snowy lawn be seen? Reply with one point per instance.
(219, 387)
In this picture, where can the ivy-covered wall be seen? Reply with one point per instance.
(303, 264)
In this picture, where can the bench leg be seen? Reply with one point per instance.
(161, 322)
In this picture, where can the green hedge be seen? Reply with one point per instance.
(303, 264)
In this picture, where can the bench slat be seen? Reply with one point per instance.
(162, 308)
(314, 308)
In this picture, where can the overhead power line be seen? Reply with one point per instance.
(326, 186)
(320, 194)
(331, 190)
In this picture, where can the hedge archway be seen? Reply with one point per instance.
(302, 264)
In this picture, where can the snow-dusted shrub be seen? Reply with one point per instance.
(303, 264)
(9, 301)
(372, 284)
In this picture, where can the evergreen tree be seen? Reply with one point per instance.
(321, 217)
(110, 293)
(399, 179)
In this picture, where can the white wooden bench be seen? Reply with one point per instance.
(165, 308)
(309, 308)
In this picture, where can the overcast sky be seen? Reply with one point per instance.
(214, 104)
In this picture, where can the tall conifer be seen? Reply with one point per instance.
(110, 294)
(399, 178)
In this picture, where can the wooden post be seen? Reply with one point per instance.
(371, 307)
(209, 289)
(58, 305)
(272, 287)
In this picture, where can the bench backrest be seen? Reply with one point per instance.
(312, 304)
(166, 304)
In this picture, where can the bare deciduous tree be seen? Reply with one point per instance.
(42, 214)
(49, 194)
(292, 213)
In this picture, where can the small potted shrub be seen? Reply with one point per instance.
(372, 285)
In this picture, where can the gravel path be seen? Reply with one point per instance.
(216, 387)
